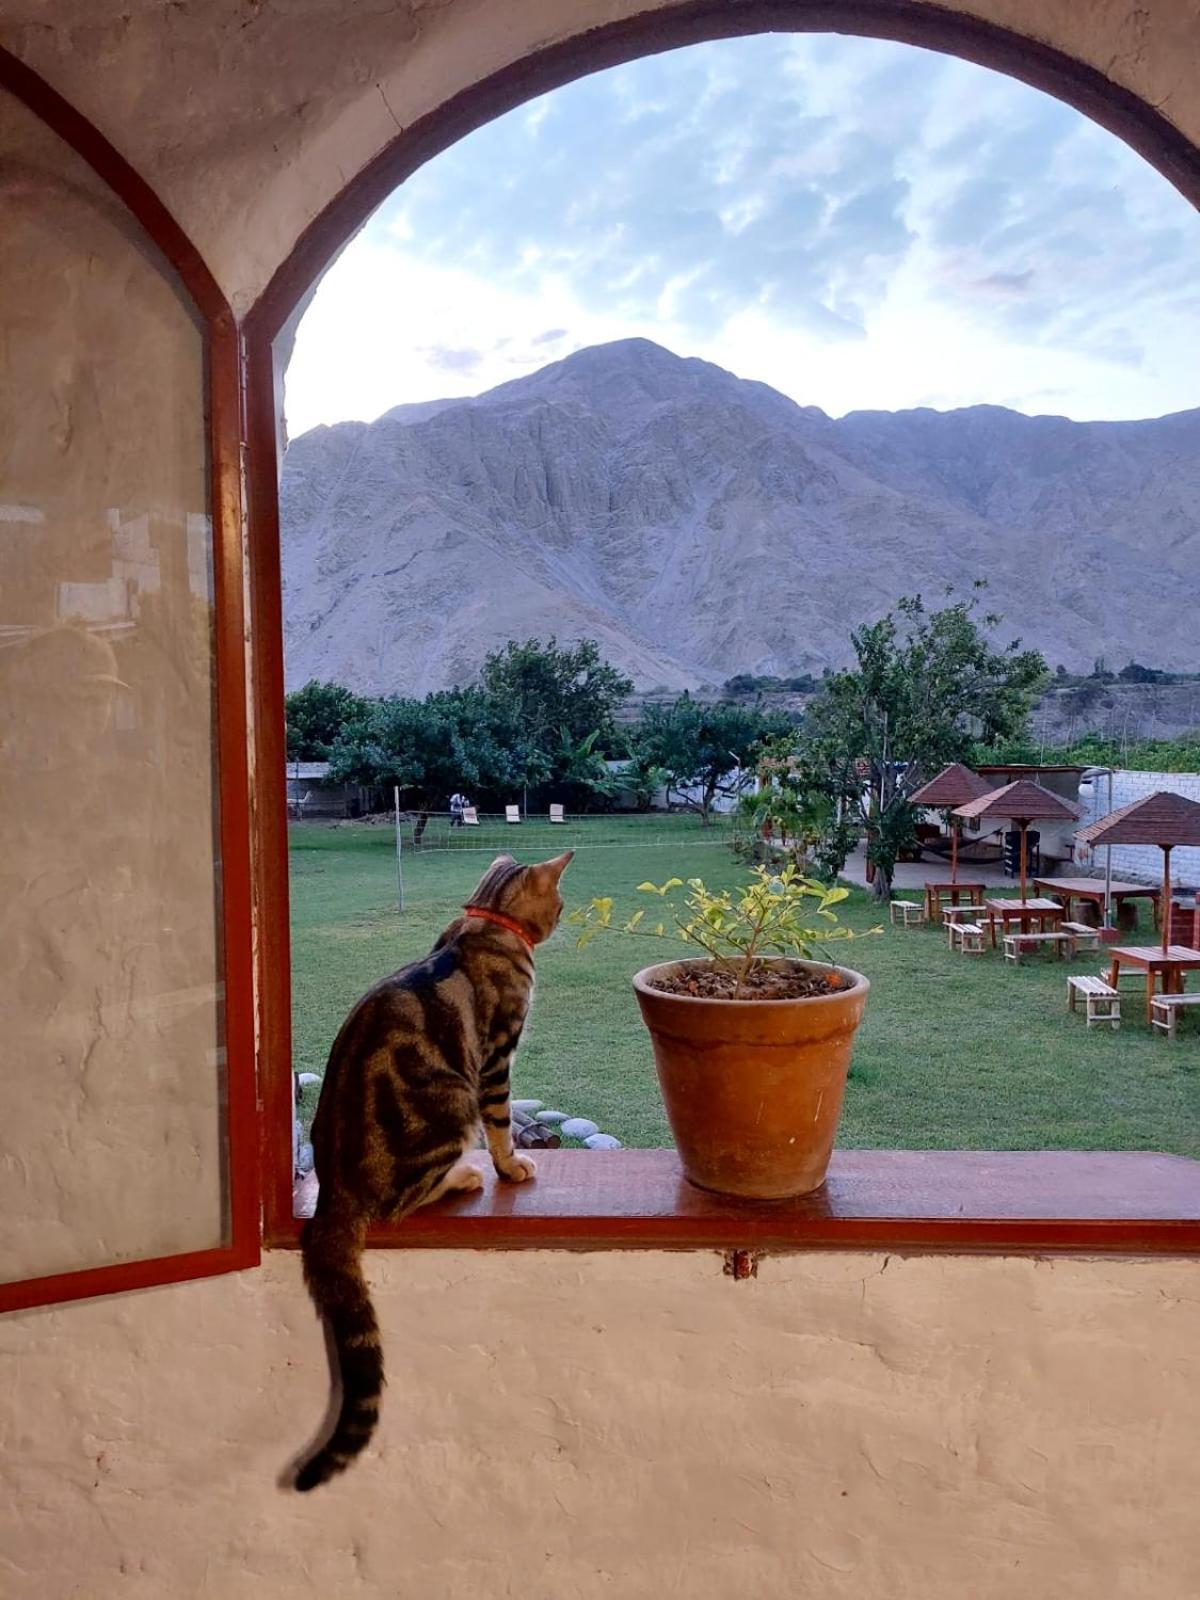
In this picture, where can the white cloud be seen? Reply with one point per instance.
(858, 223)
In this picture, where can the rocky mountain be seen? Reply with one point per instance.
(698, 525)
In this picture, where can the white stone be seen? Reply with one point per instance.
(528, 1106)
(602, 1141)
(304, 1079)
(553, 1118)
(580, 1128)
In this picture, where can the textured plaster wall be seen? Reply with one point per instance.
(622, 1425)
(249, 118)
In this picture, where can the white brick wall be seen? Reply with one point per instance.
(1142, 863)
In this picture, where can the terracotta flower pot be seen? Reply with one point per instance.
(753, 1088)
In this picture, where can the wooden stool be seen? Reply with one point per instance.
(1165, 1009)
(1102, 1002)
(911, 914)
(950, 916)
(1015, 942)
(970, 938)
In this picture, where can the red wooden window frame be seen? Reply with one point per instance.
(223, 360)
(1047, 1200)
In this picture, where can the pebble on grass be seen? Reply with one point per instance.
(580, 1128)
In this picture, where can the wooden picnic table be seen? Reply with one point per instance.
(1047, 914)
(1172, 963)
(957, 893)
(1092, 890)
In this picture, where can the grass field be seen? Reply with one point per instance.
(955, 1053)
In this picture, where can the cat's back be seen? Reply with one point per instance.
(399, 1003)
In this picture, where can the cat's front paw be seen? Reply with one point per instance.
(517, 1168)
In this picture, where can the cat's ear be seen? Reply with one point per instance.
(556, 867)
(502, 861)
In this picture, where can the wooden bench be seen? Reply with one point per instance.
(950, 919)
(1165, 1009)
(1013, 943)
(1083, 936)
(911, 913)
(1102, 1001)
(970, 937)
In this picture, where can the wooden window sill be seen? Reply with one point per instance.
(1082, 1202)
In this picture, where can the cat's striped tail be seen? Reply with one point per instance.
(332, 1247)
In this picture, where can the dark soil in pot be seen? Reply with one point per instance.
(769, 981)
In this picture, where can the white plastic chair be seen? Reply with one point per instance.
(512, 813)
(557, 814)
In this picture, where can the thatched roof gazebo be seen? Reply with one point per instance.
(1022, 802)
(954, 785)
(1161, 819)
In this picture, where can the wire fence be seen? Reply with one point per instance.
(492, 833)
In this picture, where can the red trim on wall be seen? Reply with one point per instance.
(274, 950)
(224, 447)
(123, 1277)
(233, 739)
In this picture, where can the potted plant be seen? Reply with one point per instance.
(752, 1038)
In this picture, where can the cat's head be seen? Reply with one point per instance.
(528, 894)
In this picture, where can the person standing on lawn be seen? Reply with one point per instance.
(458, 804)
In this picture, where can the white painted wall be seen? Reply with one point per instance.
(625, 1426)
(1142, 862)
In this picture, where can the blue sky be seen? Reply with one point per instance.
(858, 223)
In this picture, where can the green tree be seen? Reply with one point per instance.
(808, 794)
(700, 746)
(558, 697)
(315, 717)
(458, 739)
(927, 685)
(582, 765)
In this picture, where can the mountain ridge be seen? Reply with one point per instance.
(698, 524)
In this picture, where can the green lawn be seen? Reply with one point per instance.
(955, 1052)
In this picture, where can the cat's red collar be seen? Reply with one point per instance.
(501, 921)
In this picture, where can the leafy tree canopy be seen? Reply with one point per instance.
(927, 685)
(698, 746)
(558, 696)
(461, 738)
(315, 716)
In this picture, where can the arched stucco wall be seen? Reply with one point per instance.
(249, 119)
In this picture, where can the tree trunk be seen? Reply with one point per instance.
(419, 826)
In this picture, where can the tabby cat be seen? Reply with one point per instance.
(420, 1062)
